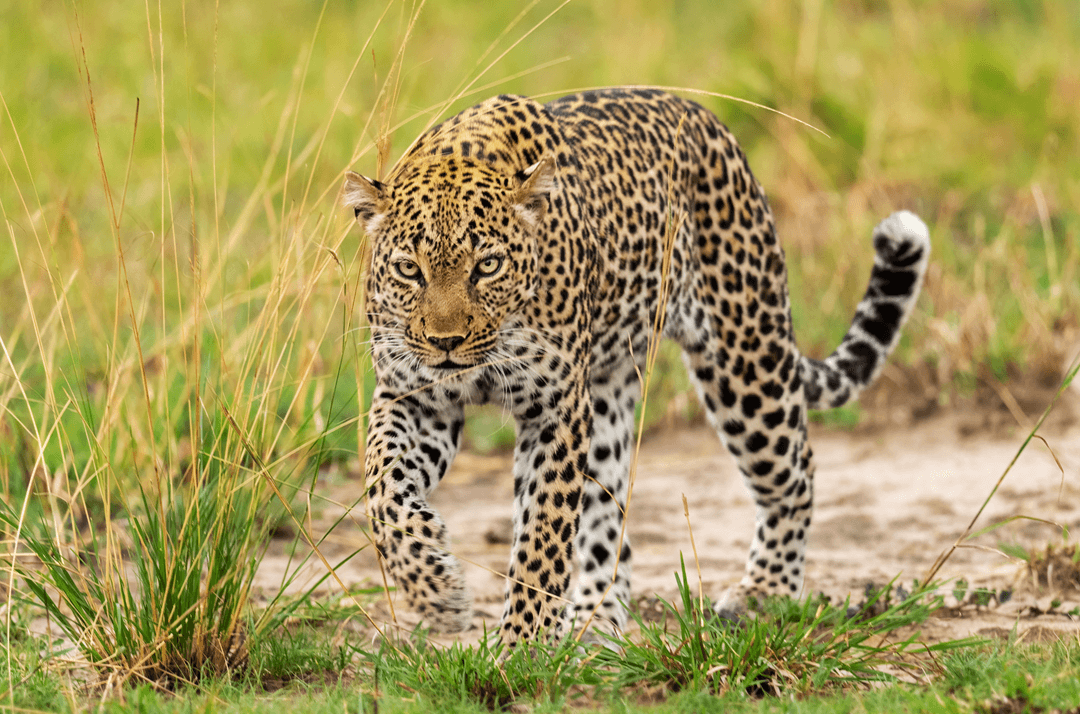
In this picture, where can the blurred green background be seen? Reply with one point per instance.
(173, 247)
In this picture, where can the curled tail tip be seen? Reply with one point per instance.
(902, 239)
(902, 243)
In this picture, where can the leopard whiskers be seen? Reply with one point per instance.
(503, 365)
(505, 358)
(551, 340)
(498, 371)
(392, 353)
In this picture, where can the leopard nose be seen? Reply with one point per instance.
(447, 344)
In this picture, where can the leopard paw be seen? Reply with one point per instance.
(738, 603)
(440, 595)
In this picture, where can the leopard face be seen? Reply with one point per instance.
(453, 260)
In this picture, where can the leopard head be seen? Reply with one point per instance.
(453, 251)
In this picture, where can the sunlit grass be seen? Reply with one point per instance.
(161, 594)
(162, 406)
(809, 646)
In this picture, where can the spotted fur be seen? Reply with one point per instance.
(523, 254)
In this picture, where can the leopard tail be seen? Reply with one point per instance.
(902, 246)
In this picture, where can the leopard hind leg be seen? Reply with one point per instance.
(756, 405)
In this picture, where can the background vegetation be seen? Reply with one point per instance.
(179, 289)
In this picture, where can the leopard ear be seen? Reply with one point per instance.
(367, 198)
(537, 183)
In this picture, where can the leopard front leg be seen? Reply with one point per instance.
(549, 466)
(602, 590)
(411, 443)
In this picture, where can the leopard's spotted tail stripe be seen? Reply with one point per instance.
(902, 245)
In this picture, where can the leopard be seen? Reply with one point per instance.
(529, 255)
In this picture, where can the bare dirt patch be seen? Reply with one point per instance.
(888, 502)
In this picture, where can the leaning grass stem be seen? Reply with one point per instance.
(697, 561)
(1070, 375)
(270, 481)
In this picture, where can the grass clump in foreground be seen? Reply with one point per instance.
(792, 647)
(487, 675)
(161, 593)
(807, 656)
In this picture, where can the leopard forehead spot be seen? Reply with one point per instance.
(446, 207)
(526, 254)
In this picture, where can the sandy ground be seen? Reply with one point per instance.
(888, 502)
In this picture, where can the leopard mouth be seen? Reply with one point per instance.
(449, 365)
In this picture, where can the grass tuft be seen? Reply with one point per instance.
(792, 647)
(167, 603)
(486, 674)
(1057, 568)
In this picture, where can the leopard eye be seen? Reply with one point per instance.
(407, 269)
(489, 266)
